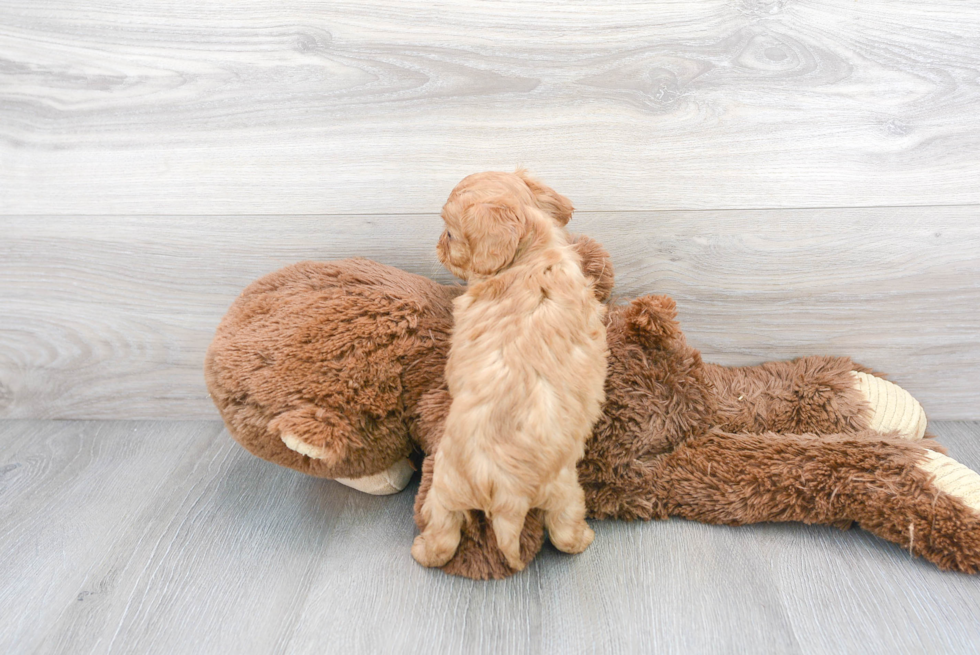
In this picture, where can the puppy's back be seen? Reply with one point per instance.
(526, 372)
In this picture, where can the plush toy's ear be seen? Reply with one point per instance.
(549, 201)
(494, 231)
(314, 432)
(596, 264)
(652, 321)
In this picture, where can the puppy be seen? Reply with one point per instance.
(526, 370)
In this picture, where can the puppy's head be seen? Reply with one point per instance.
(489, 214)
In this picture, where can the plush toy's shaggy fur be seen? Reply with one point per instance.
(348, 357)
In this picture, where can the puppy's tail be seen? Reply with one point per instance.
(508, 529)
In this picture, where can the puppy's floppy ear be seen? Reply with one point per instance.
(496, 230)
(548, 200)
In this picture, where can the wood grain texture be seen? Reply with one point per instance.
(109, 317)
(242, 107)
(166, 537)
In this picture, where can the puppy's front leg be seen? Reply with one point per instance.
(438, 542)
(564, 513)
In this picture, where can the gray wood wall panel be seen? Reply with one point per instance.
(230, 107)
(109, 317)
(167, 537)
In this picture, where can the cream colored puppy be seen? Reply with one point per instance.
(526, 370)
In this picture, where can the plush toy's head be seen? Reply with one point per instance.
(319, 366)
(489, 218)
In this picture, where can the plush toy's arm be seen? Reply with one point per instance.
(896, 489)
(820, 395)
(596, 264)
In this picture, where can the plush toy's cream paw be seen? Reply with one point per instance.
(953, 478)
(381, 484)
(893, 408)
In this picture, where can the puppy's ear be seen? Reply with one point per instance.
(495, 232)
(548, 200)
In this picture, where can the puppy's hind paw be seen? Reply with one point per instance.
(573, 541)
(515, 563)
(428, 554)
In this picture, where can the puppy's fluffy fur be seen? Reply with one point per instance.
(526, 369)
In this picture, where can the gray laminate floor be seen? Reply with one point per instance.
(166, 537)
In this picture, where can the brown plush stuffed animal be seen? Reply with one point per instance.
(335, 370)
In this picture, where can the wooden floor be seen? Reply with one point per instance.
(167, 537)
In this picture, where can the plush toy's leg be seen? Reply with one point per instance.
(893, 409)
(564, 514)
(820, 395)
(953, 478)
(896, 489)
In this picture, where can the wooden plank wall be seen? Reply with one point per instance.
(802, 177)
